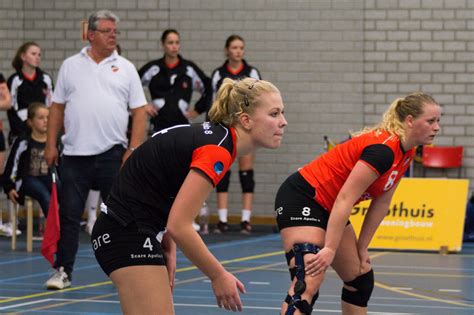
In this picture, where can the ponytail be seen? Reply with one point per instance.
(237, 97)
(399, 109)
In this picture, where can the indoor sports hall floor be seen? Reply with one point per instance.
(406, 282)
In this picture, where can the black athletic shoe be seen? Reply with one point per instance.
(245, 227)
(222, 227)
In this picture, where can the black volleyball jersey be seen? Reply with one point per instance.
(150, 179)
(219, 74)
(171, 90)
(24, 92)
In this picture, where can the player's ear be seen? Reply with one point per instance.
(409, 120)
(245, 120)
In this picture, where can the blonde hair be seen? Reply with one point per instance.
(393, 118)
(237, 97)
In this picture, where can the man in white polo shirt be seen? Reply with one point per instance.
(95, 89)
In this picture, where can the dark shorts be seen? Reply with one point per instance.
(116, 246)
(295, 204)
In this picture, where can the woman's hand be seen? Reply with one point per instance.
(365, 264)
(171, 267)
(320, 262)
(169, 250)
(13, 195)
(225, 289)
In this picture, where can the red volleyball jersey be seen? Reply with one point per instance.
(328, 172)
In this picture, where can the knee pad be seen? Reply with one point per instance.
(223, 185)
(295, 302)
(364, 284)
(246, 181)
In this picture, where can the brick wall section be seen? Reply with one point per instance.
(423, 45)
(338, 63)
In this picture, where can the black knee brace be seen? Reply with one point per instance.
(246, 181)
(295, 302)
(223, 185)
(364, 284)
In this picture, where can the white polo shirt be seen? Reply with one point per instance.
(97, 98)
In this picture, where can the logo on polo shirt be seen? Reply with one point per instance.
(115, 68)
(218, 167)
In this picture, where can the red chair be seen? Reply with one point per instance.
(442, 157)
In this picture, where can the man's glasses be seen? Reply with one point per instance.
(108, 31)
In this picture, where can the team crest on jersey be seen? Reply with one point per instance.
(218, 167)
(115, 68)
(185, 85)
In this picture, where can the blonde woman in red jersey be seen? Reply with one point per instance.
(314, 204)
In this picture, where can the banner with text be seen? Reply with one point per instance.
(425, 214)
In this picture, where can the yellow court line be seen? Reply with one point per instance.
(177, 282)
(269, 254)
(425, 297)
(55, 292)
(233, 272)
(226, 262)
(70, 302)
(423, 275)
(42, 294)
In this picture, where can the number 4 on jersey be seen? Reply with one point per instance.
(148, 244)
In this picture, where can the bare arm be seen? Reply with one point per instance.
(375, 214)
(5, 97)
(139, 119)
(55, 124)
(360, 178)
(377, 210)
(189, 200)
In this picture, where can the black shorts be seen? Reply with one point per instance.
(295, 204)
(116, 246)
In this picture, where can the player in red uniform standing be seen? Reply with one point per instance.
(161, 188)
(314, 204)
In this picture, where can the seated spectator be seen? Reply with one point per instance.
(26, 172)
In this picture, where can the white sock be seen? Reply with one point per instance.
(222, 215)
(91, 205)
(246, 215)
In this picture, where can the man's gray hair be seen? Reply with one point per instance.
(101, 15)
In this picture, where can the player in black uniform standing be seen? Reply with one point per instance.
(171, 81)
(161, 188)
(235, 67)
(27, 85)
